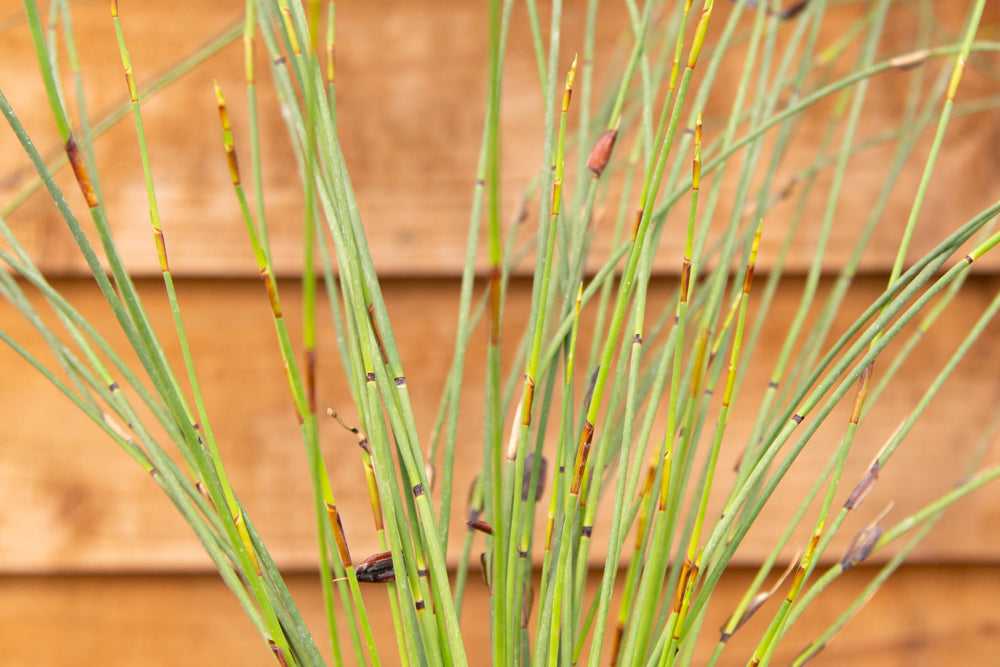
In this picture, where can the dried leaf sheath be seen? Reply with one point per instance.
(80, 171)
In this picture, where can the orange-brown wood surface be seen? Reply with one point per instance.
(95, 568)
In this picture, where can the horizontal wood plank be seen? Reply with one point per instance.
(69, 501)
(411, 91)
(923, 617)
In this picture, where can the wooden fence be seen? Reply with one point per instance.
(95, 568)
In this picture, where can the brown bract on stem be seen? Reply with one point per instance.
(756, 602)
(867, 482)
(481, 526)
(864, 541)
(279, 654)
(376, 569)
(80, 171)
(600, 154)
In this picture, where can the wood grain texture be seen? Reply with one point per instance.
(411, 91)
(69, 501)
(923, 617)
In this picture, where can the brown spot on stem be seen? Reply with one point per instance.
(792, 11)
(600, 154)
(616, 644)
(419, 605)
(747, 279)
(272, 292)
(527, 602)
(80, 171)
(650, 477)
(400, 381)
(682, 584)
(685, 279)
(543, 468)
(587, 531)
(797, 418)
(486, 571)
(418, 490)
(234, 166)
(370, 376)
(279, 655)
(338, 534)
(739, 459)
(310, 380)
(529, 397)
(200, 485)
(859, 399)
(581, 461)
(495, 307)
(378, 333)
(637, 339)
(130, 82)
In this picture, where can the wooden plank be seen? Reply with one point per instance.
(923, 617)
(70, 502)
(410, 110)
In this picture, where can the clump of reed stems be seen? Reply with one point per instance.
(625, 430)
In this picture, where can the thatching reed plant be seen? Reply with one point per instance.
(607, 444)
